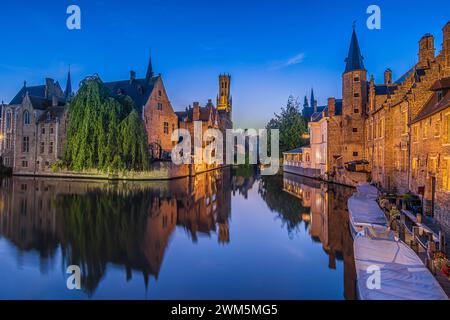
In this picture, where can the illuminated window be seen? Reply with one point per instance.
(447, 127)
(446, 175)
(405, 122)
(416, 133)
(425, 130)
(437, 129)
(166, 127)
(404, 153)
(8, 120)
(414, 167)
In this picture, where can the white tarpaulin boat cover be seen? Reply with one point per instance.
(368, 190)
(403, 275)
(365, 211)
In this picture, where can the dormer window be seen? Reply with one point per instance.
(440, 95)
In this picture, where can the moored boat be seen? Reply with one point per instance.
(364, 211)
(402, 275)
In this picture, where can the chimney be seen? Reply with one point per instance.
(315, 106)
(372, 91)
(388, 76)
(446, 45)
(132, 76)
(196, 112)
(54, 101)
(331, 107)
(426, 50)
(49, 87)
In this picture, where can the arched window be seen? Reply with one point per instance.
(26, 117)
(8, 120)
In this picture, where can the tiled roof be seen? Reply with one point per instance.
(433, 106)
(443, 83)
(139, 90)
(36, 91)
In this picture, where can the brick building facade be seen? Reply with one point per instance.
(151, 99)
(396, 133)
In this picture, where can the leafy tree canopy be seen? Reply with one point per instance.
(104, 132)
(292, 126)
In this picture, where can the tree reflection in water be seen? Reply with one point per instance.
(130, 224)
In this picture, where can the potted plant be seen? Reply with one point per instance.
(441, 263)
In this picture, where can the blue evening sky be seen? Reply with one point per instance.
(272, 49)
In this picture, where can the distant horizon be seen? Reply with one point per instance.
(272, 51)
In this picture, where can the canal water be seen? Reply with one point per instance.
(227, 234)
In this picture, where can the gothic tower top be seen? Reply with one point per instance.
(354, 60)
(224, 102)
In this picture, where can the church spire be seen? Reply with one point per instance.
(68, 92)
(313, 100)
(354, 60)
(149, 69)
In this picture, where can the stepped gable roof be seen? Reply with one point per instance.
(433, 105)
(382, 89)
(188, 114)
(440, 84)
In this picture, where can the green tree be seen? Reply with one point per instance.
(291, 124)
(103, 132)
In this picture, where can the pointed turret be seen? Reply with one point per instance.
(313, 101)
(150, 73)
(68, 92)
(354, 60)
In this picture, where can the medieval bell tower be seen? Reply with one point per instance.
(354, 102)
(224, 100)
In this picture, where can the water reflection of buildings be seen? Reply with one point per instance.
(125, 223)
(328, 221)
